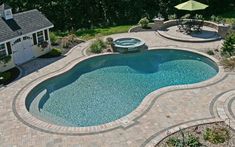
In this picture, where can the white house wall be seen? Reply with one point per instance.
(37, 51)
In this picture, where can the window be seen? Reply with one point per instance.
(2, 50)
(40, 37)
(46, 34)
(35, 39)
(26, 38)
(9, 48)
(17, 41)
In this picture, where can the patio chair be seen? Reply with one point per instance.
(180, 25)
(198, 25)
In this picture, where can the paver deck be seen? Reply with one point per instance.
(169, 109)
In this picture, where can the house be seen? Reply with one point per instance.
(23, 36)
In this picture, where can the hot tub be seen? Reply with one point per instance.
(124, 45)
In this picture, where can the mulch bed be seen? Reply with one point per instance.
(198, 132)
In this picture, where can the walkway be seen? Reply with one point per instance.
(169, 109)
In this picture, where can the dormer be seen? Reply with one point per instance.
(6, 12)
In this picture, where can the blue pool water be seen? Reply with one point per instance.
(105, 88)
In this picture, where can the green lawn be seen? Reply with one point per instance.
(229, 16)
(87, 34)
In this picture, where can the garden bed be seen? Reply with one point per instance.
(201, 135)
(9, 76)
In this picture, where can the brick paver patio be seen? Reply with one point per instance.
(172, 108)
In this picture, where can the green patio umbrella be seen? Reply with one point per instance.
(191, 5)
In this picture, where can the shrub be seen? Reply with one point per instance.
(229, 63)
(217, 19)
(232, 21)
(193, 141)
(173, 141)
(173, 16)
(97, 46)
(199, 17)
(189, 140)
(4, 76)
(55, 52)
(144, 22)
(216, 135)
(53, 38)
(109, 40)
(210, 52)
(5, 59)
(228, 45)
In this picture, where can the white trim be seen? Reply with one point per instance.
(26, 34)
(6, 49)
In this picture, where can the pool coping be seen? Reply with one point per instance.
(125, 122)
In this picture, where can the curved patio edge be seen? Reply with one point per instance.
(167, 36)
(28, 119)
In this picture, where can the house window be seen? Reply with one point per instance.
(2, 50)
(40, 37)
(17, 41)
(34, 39)
(26, 38)
(46, 35)
(9, 48)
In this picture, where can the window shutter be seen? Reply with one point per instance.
(46, 35)
(34, 39)
(9, 48)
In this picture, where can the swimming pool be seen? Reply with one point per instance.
(103, 89)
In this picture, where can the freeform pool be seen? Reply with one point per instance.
(105, 88)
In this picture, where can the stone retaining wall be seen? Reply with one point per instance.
(221, 29)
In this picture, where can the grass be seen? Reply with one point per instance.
(228, 16)
(87, 34)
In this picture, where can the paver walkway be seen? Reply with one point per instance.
(169, 109)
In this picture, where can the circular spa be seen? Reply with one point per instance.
(124, 45)
(105, 88)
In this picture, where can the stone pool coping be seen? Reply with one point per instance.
(125, 122)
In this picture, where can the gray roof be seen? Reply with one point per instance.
(23, 23)
(4, 7)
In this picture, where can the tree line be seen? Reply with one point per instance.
(75, 14)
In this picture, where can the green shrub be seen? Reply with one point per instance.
(55, 52)
(109, 40)
(216, 135)
(171, 17)
(232, 21)
(53, 38)
(193, 141)
(97, 46)
(144, 22)
(210, 52)
(190, 140)
(229, 63)
(5, 59)
(199, 17)
(228, 45)
(5, 76)
(174, 142)
(217, 19)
